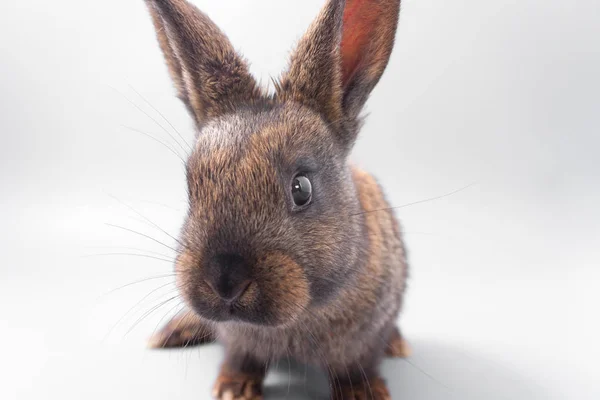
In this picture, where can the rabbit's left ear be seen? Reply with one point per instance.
(341, 58)
(210, 77)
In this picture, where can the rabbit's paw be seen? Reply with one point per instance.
(182, 331)
(397, 346)
(238, 387)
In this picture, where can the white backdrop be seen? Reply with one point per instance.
(504, 284)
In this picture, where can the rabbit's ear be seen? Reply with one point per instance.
(313, 77)
(210, 77)
(342, 57)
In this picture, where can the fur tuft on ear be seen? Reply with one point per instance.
(340, 59)
(210, 77)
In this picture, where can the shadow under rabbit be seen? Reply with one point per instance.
(435, 371)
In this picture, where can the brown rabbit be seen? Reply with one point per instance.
(286, 249)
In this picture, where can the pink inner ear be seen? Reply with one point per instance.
(360, 21)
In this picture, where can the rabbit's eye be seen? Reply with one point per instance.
(301, 190)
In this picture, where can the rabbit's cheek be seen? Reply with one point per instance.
(193, 288)
(283, 289)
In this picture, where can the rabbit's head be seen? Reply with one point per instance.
(274, 227)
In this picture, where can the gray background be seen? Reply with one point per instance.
(504, 283)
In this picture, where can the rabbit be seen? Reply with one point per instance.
(287, 249)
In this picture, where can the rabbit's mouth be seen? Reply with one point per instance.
(274, 293)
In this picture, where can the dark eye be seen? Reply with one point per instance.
(301, 190)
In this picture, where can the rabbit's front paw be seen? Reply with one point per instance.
(238, 387)
(182, 331)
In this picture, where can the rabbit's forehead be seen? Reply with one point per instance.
(224, 134)
(260, 138)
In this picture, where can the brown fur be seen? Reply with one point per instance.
(323, 282)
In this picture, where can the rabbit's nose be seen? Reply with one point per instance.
(228, 276)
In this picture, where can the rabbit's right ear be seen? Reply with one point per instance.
(210, 77)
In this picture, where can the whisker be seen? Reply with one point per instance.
(365, 378)
(163, 205)
(132, 248)
(287, 352)
(146, 219)
(332, 385)
(205, 331)
(428, 375)
(156, 140)
(144, 235)
(163, 317)
(152, 118)
(162, 116)
(377, 235)
(387, 345)
(174, 316)
(350, 381)
(133, 307)
(148, 313)
(172, 330)
(128, 254)
(378, 336)
(135, 283)
(416, 202)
